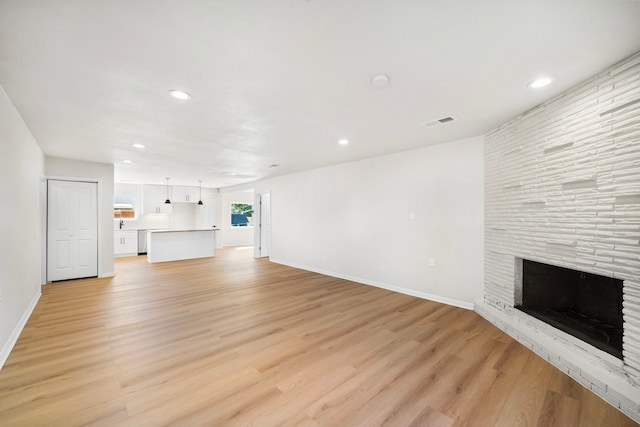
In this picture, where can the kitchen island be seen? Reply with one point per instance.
(174, 245)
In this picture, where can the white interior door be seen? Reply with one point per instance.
(265, 224)
(72, 230)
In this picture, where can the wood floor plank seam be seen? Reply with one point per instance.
(238, 341)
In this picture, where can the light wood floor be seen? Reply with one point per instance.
(234, 341)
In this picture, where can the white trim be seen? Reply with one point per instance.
(73, 179)
(13, 338)
(406, 291)
(99, 241)
(257, 211)
(112, 274)
(257, 236)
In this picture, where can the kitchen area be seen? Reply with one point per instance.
(145, 224)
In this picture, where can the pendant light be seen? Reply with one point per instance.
(200, 201)
(167, 202)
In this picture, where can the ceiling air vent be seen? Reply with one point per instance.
(439, 121)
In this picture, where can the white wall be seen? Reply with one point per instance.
(21, 174)
(103, 173)
(354, 220)
(234, 236)
(183, 216)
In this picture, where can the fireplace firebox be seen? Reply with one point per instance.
(585, 305)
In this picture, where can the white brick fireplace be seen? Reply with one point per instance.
(562, 187)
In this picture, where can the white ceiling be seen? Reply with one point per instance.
(281, 81)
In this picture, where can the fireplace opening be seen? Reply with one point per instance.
(585, 305)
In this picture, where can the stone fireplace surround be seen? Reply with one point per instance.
(562, 186)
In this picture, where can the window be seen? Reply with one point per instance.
(124, 207)
(241, 215)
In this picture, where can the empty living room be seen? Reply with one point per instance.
(304, 213)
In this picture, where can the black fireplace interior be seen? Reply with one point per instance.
(585, 305)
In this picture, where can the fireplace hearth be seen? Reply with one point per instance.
(585, 305)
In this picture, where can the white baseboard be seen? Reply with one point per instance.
(13, 338)
(106, 275)
(406, 291)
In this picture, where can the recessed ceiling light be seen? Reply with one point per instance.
(138, 146)
(127, 161)
(179, 94)
(343, 142)
(380, 81)
(538, 83)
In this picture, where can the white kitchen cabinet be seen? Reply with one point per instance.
(173, 245)
(186, 194)
(125, 242)
(153, 199)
